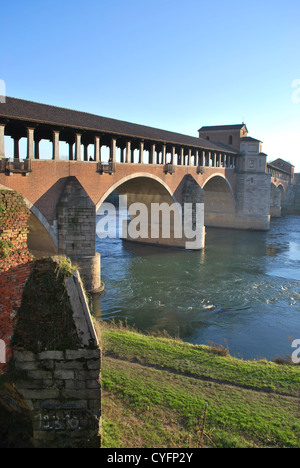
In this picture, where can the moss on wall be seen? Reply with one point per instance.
(45, 318)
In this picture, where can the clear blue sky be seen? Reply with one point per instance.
(171, 64)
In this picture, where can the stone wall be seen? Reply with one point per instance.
(253, 193)
(52, 383)
(57, 359)
(62, 390)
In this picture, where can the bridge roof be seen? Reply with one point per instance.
(33, 112)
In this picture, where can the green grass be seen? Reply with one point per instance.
(161, 392)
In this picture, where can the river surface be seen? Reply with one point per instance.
(242, 291)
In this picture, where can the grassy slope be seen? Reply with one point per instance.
(157, 392)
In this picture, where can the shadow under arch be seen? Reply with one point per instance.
(219, 201)
(147, 189)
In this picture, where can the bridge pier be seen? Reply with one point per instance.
(275, 202)
(76, 215)
(253, 186)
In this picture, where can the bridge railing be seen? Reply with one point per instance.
(15, 166)
(106, 168)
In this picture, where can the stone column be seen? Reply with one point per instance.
(197, 162)
(181, 156)
(97, 149)
(113, 150)
(189, 157)
(30, 143)
(78, 147)
(128, 152)
(152, 154)
(173, 155)
(2, 141)
(164, 151)
(202, 157)
(141, 157)
(215, 160)
(55, 145)
(122, 155)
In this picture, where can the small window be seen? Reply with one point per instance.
(230, 139)
(207, 137)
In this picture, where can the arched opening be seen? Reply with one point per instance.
(149, 212)
(282, 193)
(219, 203)
(40, 243)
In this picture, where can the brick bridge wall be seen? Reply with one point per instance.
(45, 184)
(15, 262)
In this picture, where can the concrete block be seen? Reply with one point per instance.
(64, 374)
(45, 355)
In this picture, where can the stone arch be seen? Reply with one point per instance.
(148, 189)
(138, 175)
(219, 196)
(282, 193)
(41, 239)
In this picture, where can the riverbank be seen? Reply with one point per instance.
(162, 392)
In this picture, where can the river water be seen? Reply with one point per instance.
(242, 291)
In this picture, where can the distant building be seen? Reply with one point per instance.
(285, 168)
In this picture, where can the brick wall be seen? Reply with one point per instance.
(15, 262)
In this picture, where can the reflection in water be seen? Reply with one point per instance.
(244, 288)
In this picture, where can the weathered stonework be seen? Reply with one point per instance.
(57, 375)
(62, 390)
(76, 215)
